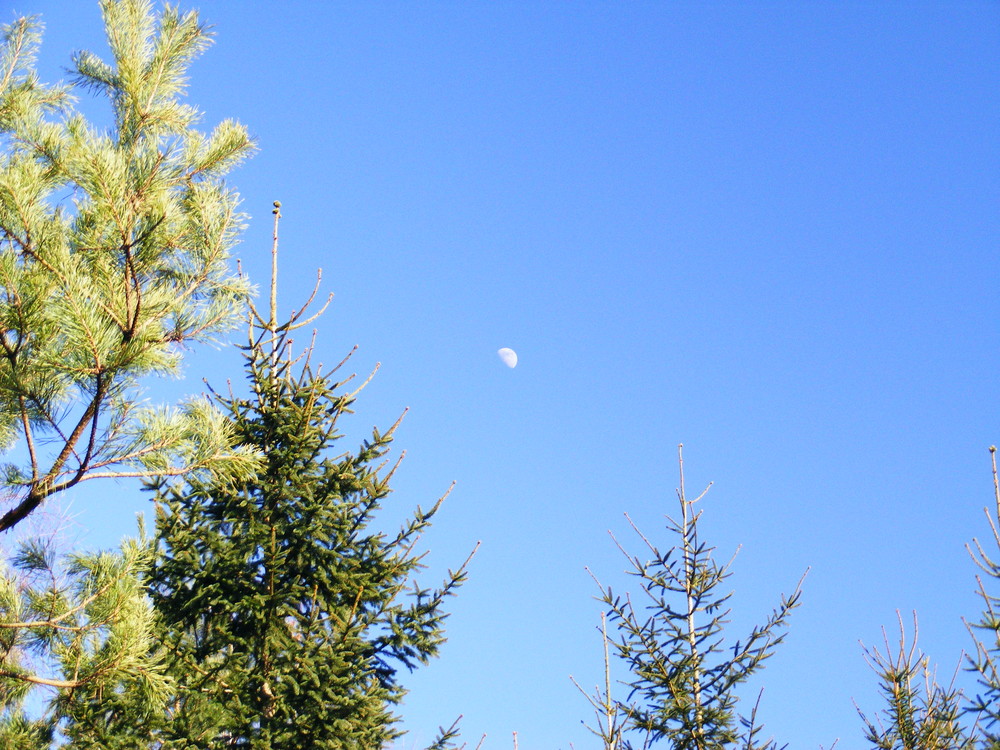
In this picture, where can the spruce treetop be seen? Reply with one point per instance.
(684, 674)
(289, 612)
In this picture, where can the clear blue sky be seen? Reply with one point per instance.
(766, 230)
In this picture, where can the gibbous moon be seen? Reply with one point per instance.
(508, 357)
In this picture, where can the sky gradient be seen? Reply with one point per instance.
(766, 230)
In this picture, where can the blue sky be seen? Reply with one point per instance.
(765, 230)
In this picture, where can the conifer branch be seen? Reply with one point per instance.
(351, 396)
(163, 283)
(49, 681)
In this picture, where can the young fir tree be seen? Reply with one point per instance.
(919, 713)
(984, 662)
(683, 680)
(114, 250)
(286, 613)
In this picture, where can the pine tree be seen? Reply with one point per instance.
(683, 685)
(286, 615)
(80, 625)
(114, 250)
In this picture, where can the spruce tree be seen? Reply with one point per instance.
(984, 661)
(919, 712)
(114, 254)
(286, 611)
(683, 683)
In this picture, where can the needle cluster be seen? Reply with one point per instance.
(114, 255)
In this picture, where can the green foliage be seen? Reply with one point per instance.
(83, 626)
(271, 611)
(984, 662)
(114, 254)
(683, 683)
(918, 713)
(287, 616)
(612, 719)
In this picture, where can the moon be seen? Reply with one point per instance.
(508, 357)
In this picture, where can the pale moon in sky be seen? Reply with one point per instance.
(508, 356)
